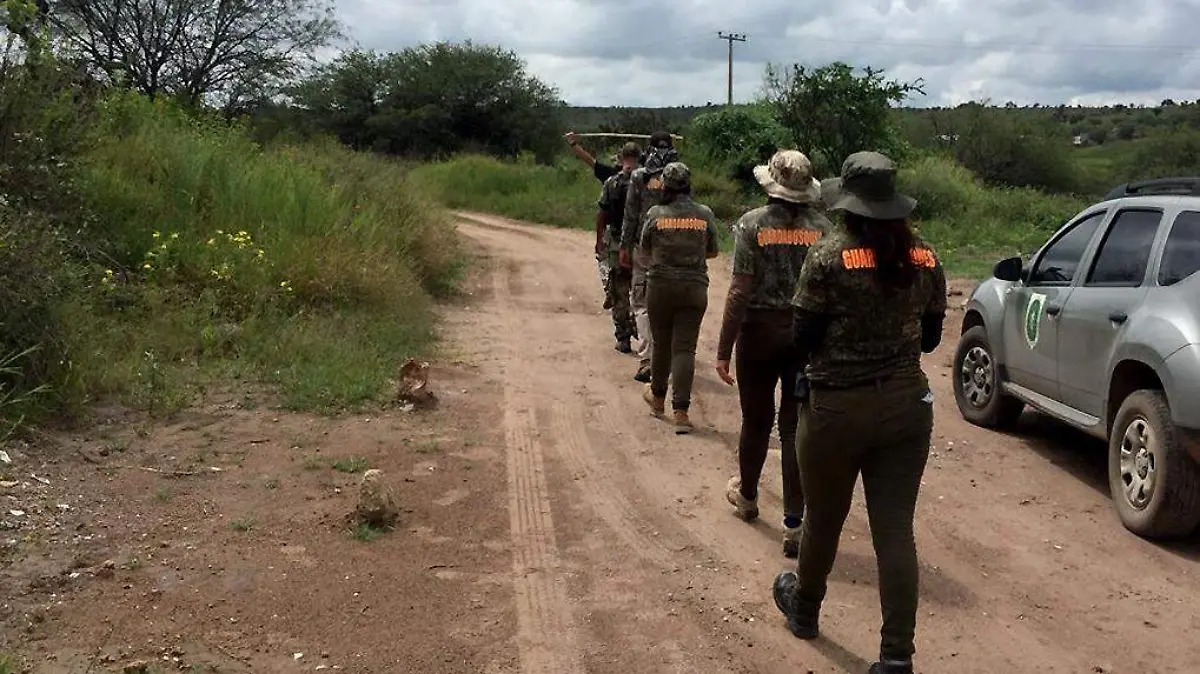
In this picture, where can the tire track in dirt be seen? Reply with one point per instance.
(546, 636)
(997, 592)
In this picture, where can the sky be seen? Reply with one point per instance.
(660, 53)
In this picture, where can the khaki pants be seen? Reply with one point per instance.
(765, 359)
(676, 312)
(881, 431)
(638, 303)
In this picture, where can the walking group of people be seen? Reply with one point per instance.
(833, 299)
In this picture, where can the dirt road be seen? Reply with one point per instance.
(627, 559)
(549, 526)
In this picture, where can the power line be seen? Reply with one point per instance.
(731, 38)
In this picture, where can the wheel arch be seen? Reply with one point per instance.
(1128, 375)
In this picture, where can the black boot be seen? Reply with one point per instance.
(802, 616)
(643, 374)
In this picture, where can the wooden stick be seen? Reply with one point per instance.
(621, 135)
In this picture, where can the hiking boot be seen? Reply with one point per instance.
(791, 542)
(658, 406)
(683, 425)
(746, 509)
(890, 667)
(608, 303)
(802, 617)
(643, 374)
(623, 346)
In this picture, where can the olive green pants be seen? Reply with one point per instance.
(676, 309)
(881, 431)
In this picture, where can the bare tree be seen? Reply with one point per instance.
(195, 49)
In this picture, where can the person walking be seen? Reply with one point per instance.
(610, 215)
(602, 172)
(679, 237)
(645, 191)
(870, 300)
(770, 244)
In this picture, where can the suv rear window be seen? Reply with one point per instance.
(1125, 252)
(1181, 255)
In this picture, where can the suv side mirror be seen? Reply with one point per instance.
(1008, 270)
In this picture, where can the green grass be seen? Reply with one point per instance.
(242, 525)
(563, 195)
(311, 267)
(367, 532)
(352, 465)
(971, 226)
(8, 665)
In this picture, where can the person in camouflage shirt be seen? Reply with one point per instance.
(870, 300)
(770, 244)
(610, 214)
(645, 191)
(678, 239)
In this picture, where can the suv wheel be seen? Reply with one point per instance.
(977, 384)
(1155, 484)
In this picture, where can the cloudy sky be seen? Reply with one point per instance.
(664, 53)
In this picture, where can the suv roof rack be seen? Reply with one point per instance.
(1170, 186)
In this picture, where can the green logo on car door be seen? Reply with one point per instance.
(1033, 318)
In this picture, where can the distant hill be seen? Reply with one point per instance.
(1084, 125)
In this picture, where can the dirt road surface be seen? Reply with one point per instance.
(551, 525)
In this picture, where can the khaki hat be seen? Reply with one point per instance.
(788, 175)
(867, 188)
(676, 176)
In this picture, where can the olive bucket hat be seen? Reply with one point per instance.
(867, 188)
(788, 175)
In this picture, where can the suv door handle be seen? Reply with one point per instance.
(1118, 317)
(1053, 309)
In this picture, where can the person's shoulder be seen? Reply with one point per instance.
(752, 220)
(828, 250)
(924, 254)
(704, 211)
(813, 218)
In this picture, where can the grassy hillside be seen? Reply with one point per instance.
(202, 258)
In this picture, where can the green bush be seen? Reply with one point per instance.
(972, 225)
(1005, 151)
(736, 139)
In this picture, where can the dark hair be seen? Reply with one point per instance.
(661, 139)
(670, 195)
(892, 242)
(791, 207)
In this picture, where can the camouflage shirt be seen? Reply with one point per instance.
(770, 245)
(678, 238)
(644, 192)
(872, 334)
(612, 202)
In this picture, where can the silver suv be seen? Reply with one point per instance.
(1101, 330)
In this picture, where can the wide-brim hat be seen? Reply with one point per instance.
(788, 175)
(867, 187)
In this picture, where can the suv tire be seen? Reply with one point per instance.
(1155, 484)
(977, 391)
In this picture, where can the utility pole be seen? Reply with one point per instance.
(731, 38)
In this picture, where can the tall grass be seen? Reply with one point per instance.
(208, 257)
(563, 195)
(971, 225)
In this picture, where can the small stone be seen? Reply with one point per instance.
(376, 505)
(137, 667)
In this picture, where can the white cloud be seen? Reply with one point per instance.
(648, 53)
